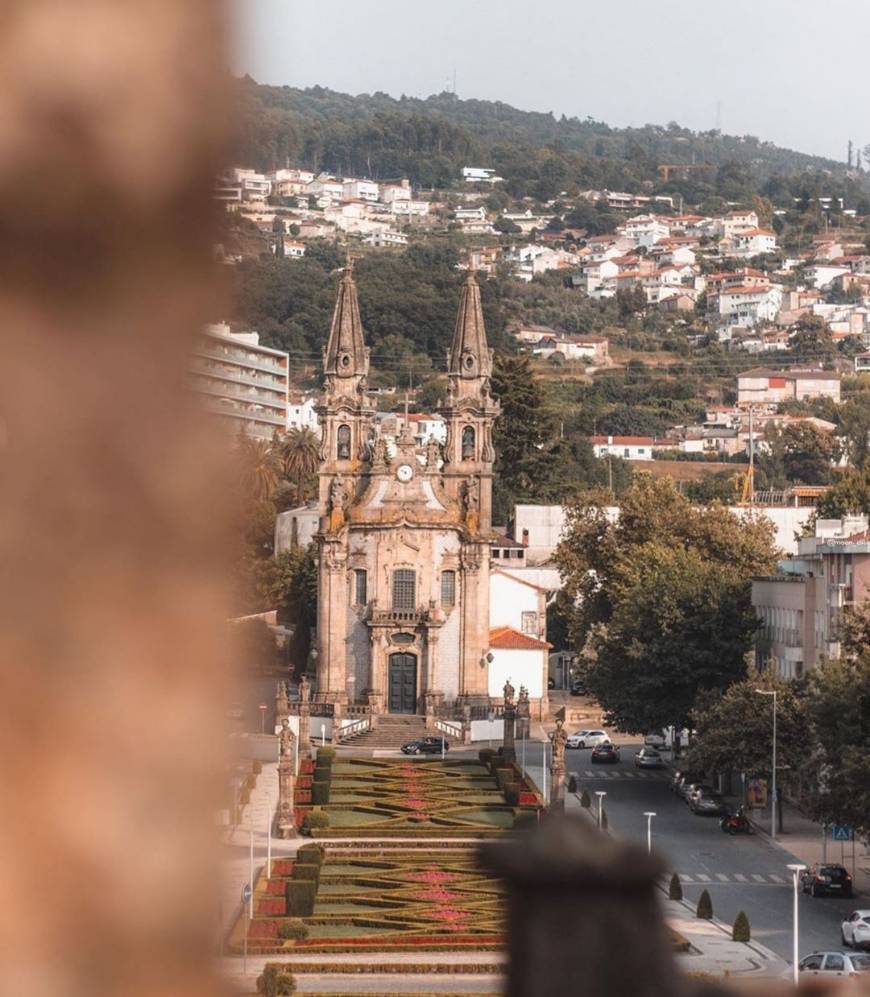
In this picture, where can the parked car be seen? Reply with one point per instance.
(654, 740)
(689, 788)
(683, 777)
(578, 688)
(826, 880)
(708, 802)
(855, 930)
(587, 739)
(425, 746)
(834, 964)
(604, 753)
(648, 758)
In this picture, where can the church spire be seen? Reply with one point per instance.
(345, 354)
(469, 354)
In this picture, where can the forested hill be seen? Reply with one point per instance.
(430, 140)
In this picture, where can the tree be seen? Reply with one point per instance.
(812, 339)
(851, 494)
(661, 599)
(800, 453)
(735, 729)
(260, 467)
(300, 457)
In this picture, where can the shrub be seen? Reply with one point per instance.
(572, 784)
(311, 854)
(275, 981)
(512, 794)
(675, 888)
(319, 792)
(584, 799)
(292, 929)
(315, 819)
(503, 777)
(525, 821)
(325, 756)
(300, 894)
(485, 756)
(705, 906)
(305, 870)
(740, 932)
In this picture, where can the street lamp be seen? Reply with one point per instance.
(600, 794)
(796, 871)
(649, 814)
(772, 692)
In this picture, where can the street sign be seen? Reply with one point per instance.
(263, 706)
(247, 893)
(841, 832)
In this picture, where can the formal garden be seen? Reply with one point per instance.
(343, 796)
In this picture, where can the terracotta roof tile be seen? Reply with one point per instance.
(508, 639)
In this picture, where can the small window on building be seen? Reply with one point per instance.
(468, 443)
(360, 587)
(496, 552)
(404, 589)
(343, 447)
(448, 588)
(530, 624)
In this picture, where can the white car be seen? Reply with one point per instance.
(655, 741)
(834, 964)
(587, 739)
(855, 930)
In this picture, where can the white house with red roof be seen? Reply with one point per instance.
(626, 447)
(517, 634)
(754, 242)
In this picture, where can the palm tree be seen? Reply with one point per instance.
(261, 467)
(300, 457)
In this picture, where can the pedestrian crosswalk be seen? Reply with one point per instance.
(746, 879)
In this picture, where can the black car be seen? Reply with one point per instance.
(604, 753)
(426, 746)
(683, 777)
(826, 881)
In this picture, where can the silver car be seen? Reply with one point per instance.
(834, 964)
(648, 758)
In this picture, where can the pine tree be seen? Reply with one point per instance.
(740, 932)
(705, 906)
(675, 888)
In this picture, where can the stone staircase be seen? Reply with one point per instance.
(391, 733)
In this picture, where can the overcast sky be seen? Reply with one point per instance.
(790, 71)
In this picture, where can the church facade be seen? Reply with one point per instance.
(405, 532)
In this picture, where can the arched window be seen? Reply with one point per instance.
(468, 443)
(343, 448)
(404, 589)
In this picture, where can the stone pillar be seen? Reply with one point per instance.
(522, 714)
(570, 892)
(285, 816)
(304, 718)
(510, 713)
(557, 767)
(282, 704)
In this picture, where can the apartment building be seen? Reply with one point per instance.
(770, 387)
(240, 381)
(801, 606)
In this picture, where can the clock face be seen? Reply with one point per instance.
(404, 472)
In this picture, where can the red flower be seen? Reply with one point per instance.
(437, 895)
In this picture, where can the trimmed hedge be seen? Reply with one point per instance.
(585, 801)
(300, 894)
(512, 794)
(275, 981)
(311, 854)
(675, 888)
(705, 906)
(293, 930)
(485, 756)
(503, 777)
(525, 821)
(572, 784)
(319, 792)
(325, 755)
(315, 819)
(305, 870)
(740, 932)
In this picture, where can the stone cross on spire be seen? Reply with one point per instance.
(346, 354)
(469, 354)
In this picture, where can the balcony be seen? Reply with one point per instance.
(397, 617)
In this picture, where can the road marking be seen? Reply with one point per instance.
(757, 878)
(721, 877)
(776, 879)
(703, 878)
(685, 878)
(739, 877)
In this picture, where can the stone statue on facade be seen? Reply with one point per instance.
(282, 703)
(285, 817)
(508, 693)
(509, 717)
(557, 766)
(471, 503)
(287, 740)
(523, 713)
(432, 454)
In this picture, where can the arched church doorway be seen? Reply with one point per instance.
(403, 683)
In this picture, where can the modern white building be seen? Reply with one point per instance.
(302, 414)
(763, 386)
(239, 380)
(360, 190)
(477, 174)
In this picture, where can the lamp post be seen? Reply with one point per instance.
(600, 794)
(772, 692)
(649, 814)
(796, 871)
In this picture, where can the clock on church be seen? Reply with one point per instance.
(404, 472)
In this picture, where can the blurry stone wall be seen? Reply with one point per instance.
(113, 533)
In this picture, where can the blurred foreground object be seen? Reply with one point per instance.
(113, 541)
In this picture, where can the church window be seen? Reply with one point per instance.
(360, 587)
(404, 589)
(448, 588)
(343, 449)
(530, 624)
(468, 443)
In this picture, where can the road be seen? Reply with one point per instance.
(253, 690)
(741, 872)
